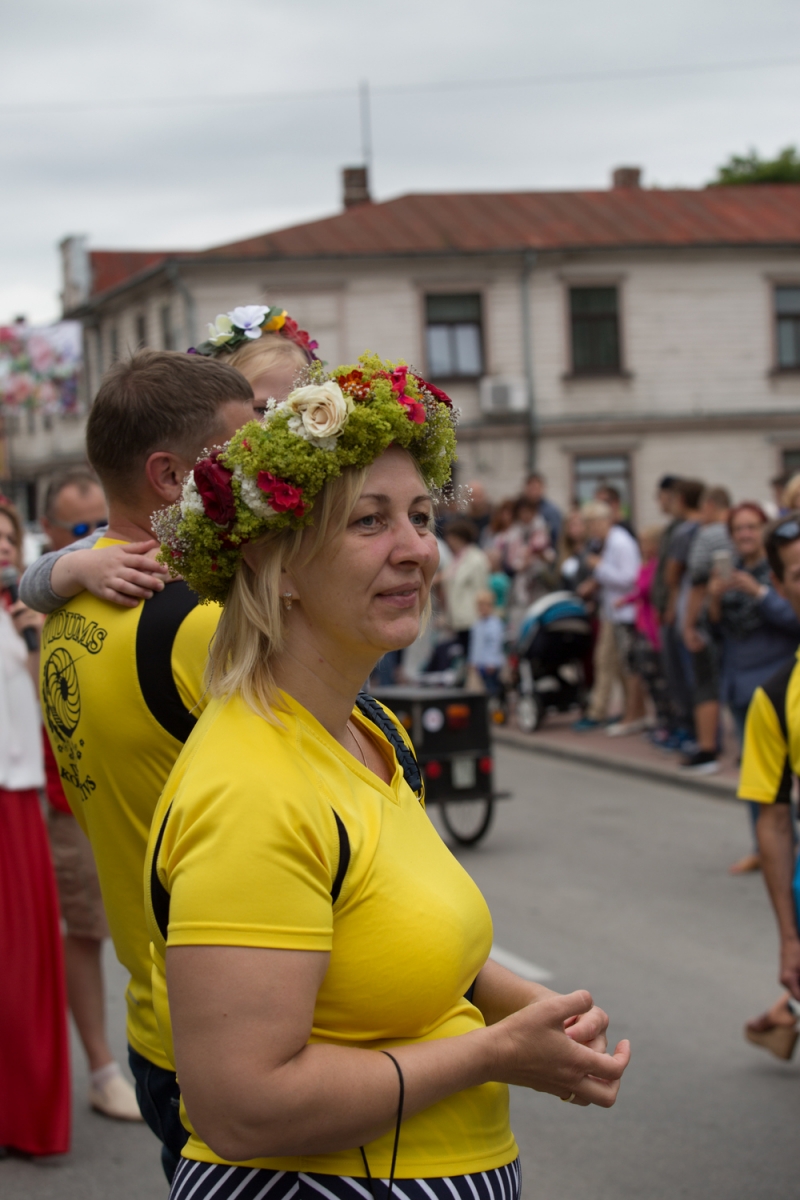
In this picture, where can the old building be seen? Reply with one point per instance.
(612, 335)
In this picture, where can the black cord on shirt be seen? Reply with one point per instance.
(396, 1134)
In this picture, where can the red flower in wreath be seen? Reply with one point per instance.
(213, 482)
(414, 410)
(291, 330)
(354, 384)
(283, 497)
(437, 393)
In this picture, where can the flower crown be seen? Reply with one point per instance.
(267, 476)
(247, 323)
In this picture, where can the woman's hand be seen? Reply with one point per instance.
(718, 584)
(693, 640)
(534, 1050)
(25, 618)
(123, 574)
(743, 581)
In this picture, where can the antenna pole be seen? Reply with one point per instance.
(366, 126)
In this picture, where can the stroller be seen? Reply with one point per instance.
(554, 639)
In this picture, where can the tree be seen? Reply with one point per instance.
(752, 169)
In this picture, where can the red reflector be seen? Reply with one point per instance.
(485, 765)
(457, 716)
(433, 770)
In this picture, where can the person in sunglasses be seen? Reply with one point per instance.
(770, 756)
(74, 507)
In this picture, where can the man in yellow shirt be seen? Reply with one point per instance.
(122, 687)
(771, 755)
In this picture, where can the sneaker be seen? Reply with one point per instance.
(702, 762)
(625, 728)
(585, 724)
(112, 1095)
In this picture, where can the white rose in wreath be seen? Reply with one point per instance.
(319, 413)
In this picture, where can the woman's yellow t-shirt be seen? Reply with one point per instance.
(249, 854)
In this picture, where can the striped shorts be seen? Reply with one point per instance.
(202, 1181)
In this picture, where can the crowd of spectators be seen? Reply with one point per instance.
(685, 616)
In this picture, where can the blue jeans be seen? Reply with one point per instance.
(159, 1099)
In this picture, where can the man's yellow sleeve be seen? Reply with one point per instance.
(765, 771)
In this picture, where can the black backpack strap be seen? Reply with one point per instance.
(369, 708)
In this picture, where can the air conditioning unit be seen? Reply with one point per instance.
(503, 395)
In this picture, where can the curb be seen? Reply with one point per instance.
(719, 789)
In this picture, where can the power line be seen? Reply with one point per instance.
(247, 98)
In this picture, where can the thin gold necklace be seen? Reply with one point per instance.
(358, 744)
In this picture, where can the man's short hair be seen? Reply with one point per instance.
(667, 483)
(157, 400)
(535, 475)
(82, 478)
(467, 531)
(690, 491)
(720, 497)
(783, 531)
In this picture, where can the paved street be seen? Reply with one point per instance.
(618, 885)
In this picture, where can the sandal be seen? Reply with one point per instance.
(780, 1040)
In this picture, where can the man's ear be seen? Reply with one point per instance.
(165, 472)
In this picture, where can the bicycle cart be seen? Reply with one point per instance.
(450, 730)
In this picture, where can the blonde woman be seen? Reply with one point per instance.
(320, 959)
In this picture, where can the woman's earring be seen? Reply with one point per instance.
(287, 600)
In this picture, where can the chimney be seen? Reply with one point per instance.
(626, 177)
(75, 272)
(355, 181)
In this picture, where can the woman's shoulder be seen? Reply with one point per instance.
(233, 750)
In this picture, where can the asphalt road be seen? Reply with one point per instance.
(619, 886)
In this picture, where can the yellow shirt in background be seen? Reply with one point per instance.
(771, 750)
(251, 837)
(121, 691)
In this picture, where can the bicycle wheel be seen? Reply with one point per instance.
(467, 821)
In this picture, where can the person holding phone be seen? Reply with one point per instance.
(759, 630)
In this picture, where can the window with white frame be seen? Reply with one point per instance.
(453, 335)
(593, 471)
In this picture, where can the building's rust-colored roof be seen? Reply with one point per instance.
(482, 223)
(112, 267)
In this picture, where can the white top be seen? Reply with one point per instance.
(616, 573)
(21, 763)
(467, 575)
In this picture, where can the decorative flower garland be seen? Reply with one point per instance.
(247, 323)
(268, 475)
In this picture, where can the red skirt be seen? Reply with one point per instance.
(34, 1049)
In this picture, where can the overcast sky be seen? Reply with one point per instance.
(75, 158)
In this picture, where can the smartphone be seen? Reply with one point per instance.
(723, 563)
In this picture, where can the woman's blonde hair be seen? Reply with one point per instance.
(791, 493)
(251, 630)
(254, 358)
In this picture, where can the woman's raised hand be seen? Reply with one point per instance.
(538, 1048)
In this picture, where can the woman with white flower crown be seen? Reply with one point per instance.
(320, 960)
